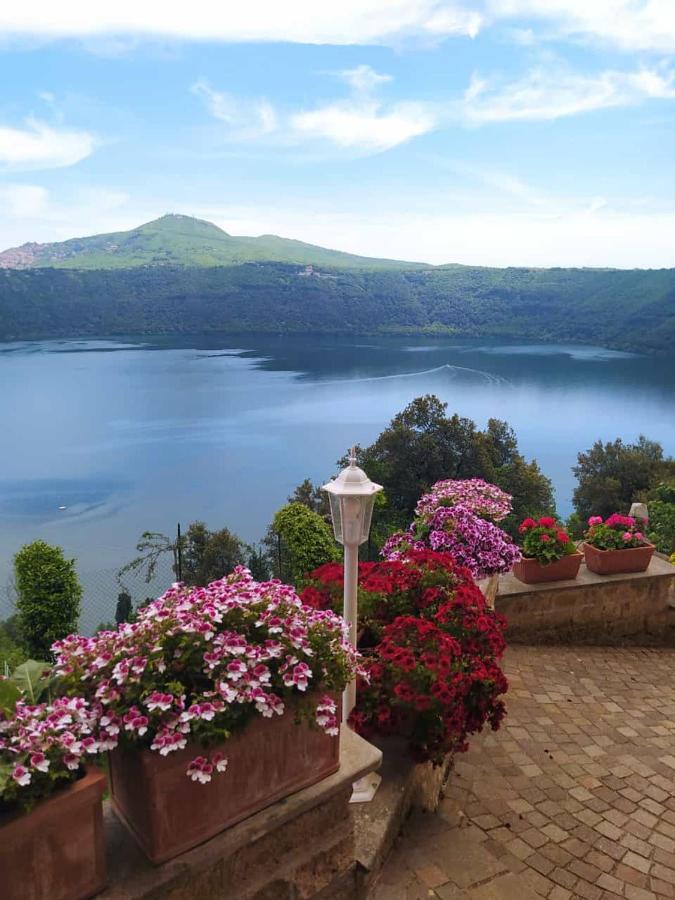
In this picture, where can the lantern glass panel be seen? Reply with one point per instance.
(367, 512)
(336, 516)
(352, 519)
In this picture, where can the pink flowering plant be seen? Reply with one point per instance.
(482, 547)
(199, 663)
(545, 540)
(43, 746)
(617, 532)
(477, 496)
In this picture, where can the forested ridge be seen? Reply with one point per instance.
(627, 309)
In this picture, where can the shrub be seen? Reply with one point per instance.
(662, 525)
(306, 541)
(48, 603)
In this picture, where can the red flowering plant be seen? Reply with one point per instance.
(435, 678)
(421, 580)
(545, 540)
(432, 673)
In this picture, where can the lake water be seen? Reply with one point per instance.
(138, 434)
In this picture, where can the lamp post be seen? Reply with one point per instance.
(352, 497)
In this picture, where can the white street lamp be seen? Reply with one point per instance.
(352, 497)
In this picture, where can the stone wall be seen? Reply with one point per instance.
(636, 608)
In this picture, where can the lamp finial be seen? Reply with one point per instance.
(352, 456)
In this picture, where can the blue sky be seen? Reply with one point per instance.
(500, 132)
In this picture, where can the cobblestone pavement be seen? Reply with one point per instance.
(573, 797)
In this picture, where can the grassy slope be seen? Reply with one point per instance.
(182, 240)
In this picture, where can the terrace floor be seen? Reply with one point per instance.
(573, 797)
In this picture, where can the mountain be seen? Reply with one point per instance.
(183, 275)
(174, 240)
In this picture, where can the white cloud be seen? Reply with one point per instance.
(364, 124)
(363, 79)
(298, 21)
(627, 24)
(552, 93)
(247, 119)
(361, 122)
(38, 145)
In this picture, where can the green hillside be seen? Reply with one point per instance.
(632, 310)
(174, 240)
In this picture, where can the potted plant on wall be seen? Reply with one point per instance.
(51, 822)
(233, 685)
(548, 552)
(616, 545)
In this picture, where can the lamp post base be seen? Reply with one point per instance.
(365, 788)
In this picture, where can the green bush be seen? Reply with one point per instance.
(305, 542)
(662, 526)
(48, 602)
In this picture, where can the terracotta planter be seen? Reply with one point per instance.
(169, 813)
(614, 562)
(56, 851)
(531, 571)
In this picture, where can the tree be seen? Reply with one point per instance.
(311, 496)
(124, 607)
(210, 555)
(258, 563)
(299, 540)
(199, 555)
(423, 445)
(48, 596)
(611, 476)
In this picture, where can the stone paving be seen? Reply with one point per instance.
(573, 798)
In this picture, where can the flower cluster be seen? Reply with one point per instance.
(44, 745)
(617, 532)
(483, 548)
(431, 649)
(435, 677)
(419, 580)
(545, 540)
(479, 497)
(198, 662)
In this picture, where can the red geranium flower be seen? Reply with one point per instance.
(547, 522)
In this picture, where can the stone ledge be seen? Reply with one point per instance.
(636, 608)
(405, 785)
(300, 847)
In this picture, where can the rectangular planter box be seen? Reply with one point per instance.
(56, 851)
(168, 813)
(531, 571)
(614, 562)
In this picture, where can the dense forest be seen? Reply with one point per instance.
(628, 309)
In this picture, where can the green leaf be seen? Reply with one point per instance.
(32, 678)
(9, 694)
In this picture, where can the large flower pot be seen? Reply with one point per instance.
(531, 571)
(56, 851)
(614, 562)
(169, 813)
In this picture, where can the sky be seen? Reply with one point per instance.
(494, 132)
